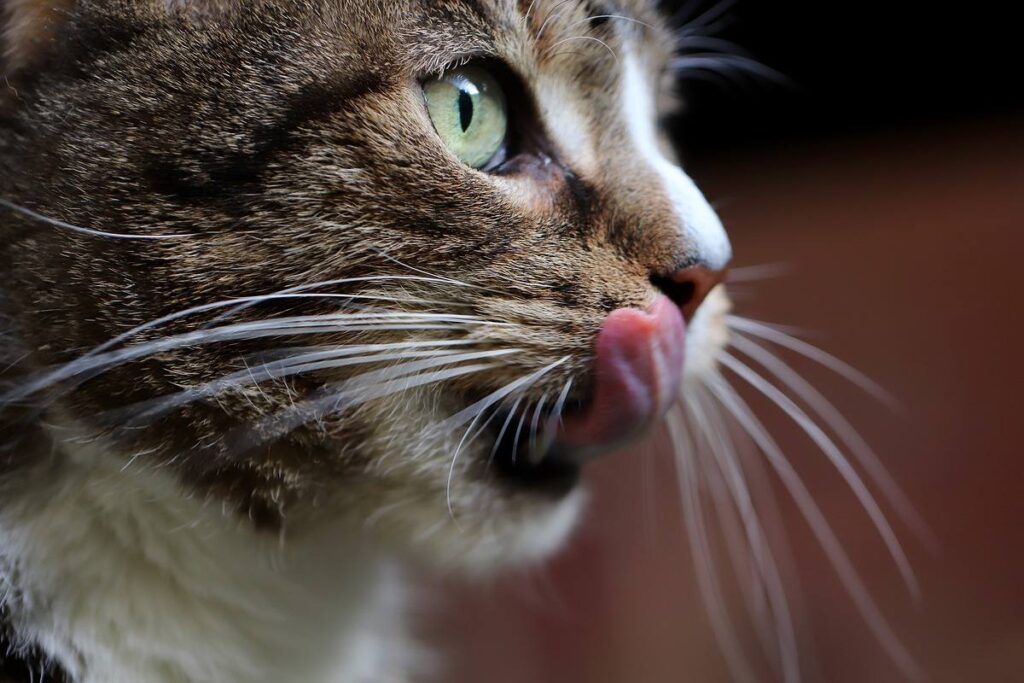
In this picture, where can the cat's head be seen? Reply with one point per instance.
(410, 263)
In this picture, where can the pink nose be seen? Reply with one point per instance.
(638, 373)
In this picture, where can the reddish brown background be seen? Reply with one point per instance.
(905, 258)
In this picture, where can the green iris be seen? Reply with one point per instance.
(468, 109)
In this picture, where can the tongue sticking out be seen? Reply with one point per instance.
(638, 375)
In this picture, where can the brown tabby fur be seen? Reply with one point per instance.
(285, 142)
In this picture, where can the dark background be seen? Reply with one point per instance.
(888, 180)
(853, 68)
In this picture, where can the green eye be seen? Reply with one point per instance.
(468, 109)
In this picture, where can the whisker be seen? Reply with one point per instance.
(533, 454)
(519, 431)
(268, 372)
(552, 14)
(417, 366)
(529, 11)
(471, 411)
(550, 52)
(609, 16)
(757, 273)
(434, 276)
(823, 358)
(305, 354)
(347, 397)
(238, 305)
(83, 363)
(554, 420)
(707, 575)
(738, 547)
(726, 65)
(504, 428)
(705, 22)
(485, 404)
(710, 43)
(241, 302)
(455, 459)
(840, 561)
(838, 460)
(53, 222)
(90, 365)
(768, 580)
(847, 434)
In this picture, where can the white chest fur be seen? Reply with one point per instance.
(121, 579)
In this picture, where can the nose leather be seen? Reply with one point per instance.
(688, 287)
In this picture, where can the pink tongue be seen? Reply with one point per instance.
(638, 375)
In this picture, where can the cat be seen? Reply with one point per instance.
(298, 294)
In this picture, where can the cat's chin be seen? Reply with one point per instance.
(523, 534)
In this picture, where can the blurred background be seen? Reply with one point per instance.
(887, 178)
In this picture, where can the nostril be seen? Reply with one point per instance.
(681, 293)
(687, 288)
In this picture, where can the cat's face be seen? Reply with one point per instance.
(452, 203)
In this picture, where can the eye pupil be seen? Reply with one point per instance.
(465, 110)
(468, 109)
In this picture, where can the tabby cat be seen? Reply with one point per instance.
(296, 293)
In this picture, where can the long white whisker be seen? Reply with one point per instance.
(483, 406)
(710, 43)
(455, 459)
(309, 354)
(519, 431)
(555, 419)
(726, 65)
(823, 358)
(404, 369)
(277, 327)
(504, 427)
(250, 300)
(529, 11)
(847, 434)
(703, 562)
(769, 581)
(348, 397)
(533, 453)
(34, 215)
(428, 274)
(751, 474)
(471, 411)
(838, 460)
(739, 548)
(236, 306)
(273, 371)
(819, 526)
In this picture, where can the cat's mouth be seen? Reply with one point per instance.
(522, 462)
(638, 373)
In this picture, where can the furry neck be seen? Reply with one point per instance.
(116, 576)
